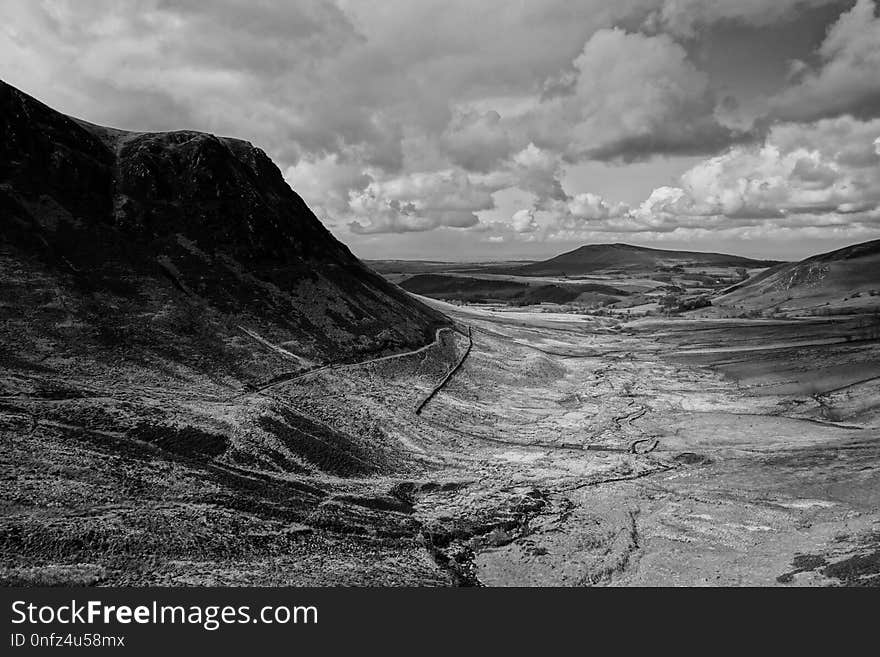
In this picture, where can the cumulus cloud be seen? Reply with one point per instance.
(831, 167)
(324, 182)
(591, 207)
(523, 221)
(478, 141)
(632, 95)
(419, 202)
(823, 176)
(846, 79)
(532, 169)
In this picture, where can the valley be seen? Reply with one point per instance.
(567, 450)
(200, 385)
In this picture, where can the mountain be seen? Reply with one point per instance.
(599, 257)
(152, 285)
(847, 279)
(125, 235)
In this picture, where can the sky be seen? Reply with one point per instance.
(502, 129)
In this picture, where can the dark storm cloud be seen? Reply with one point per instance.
(703, 138)
(690, 18)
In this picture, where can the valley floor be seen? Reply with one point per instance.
(567, 450)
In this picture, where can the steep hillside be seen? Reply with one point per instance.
(152, 286)
(845, 280)
(598, 257)
(119, 231)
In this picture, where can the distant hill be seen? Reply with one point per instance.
(845, 279)
(598, 257)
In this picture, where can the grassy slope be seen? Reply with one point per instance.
(844, 279)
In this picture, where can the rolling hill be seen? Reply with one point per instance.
(593, 258)
(847, 279)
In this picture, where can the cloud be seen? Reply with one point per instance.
(419, 202)
(532, 169)
(688, 18)
(846, 79)
(823, 176)
(586, 211)
(372, 202)
(407, 116)
(591, 207)
(255, 70)
(799, 173)
(523, 221)
(478, 141)
(324, 182)
(632, 96)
